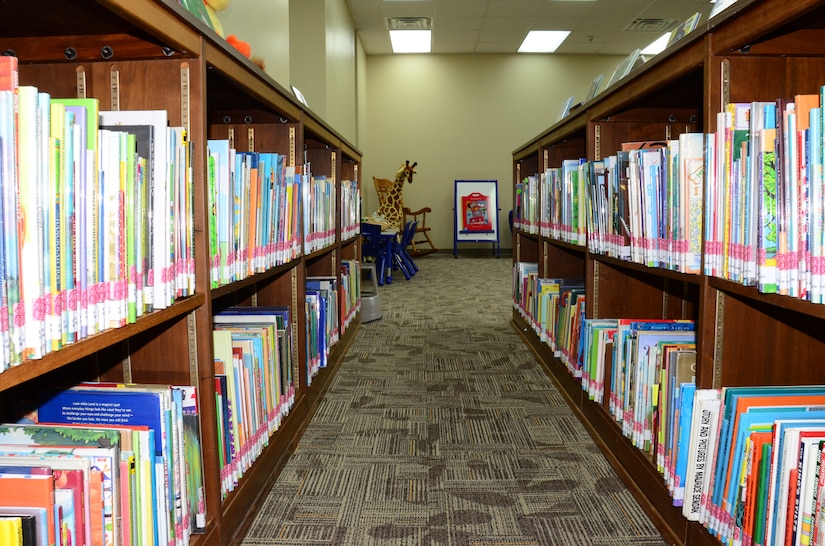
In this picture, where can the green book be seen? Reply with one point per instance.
(762, 492)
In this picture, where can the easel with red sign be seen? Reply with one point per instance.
(475, 214)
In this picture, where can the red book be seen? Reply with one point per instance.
(96, 501)
(789, 515)
(8, 73)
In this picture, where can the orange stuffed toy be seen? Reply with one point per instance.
(240, 45)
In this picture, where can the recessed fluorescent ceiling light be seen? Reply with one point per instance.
(543, 41)
(658, 46)
(410, 41)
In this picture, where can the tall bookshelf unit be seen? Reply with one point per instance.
(152, 54)
(756, 50)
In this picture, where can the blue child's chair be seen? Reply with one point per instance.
(401, 258)
(374, 249)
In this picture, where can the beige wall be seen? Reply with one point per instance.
(265, 25)
(360, 91)
(461, 117)
(458, 116)
(307, 52)
(341, 105)
(306, 43)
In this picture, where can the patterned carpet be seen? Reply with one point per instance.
(441, 429)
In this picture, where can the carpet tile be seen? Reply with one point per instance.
(440, 428)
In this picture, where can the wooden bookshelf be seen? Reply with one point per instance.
(756, 50)
(152, 54)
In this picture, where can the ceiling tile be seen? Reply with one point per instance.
(597, 25)
(516, 24)
(461, 8)
(458, 23)
(513, 9)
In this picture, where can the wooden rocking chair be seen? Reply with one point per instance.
(422, 231)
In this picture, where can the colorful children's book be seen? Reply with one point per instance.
(192, 453)
(737, 401)
(100, 446)
(130, 405)
(71, 472)
(85, 213)
(161, 235)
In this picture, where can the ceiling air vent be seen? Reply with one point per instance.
(652, 25)
(409, 23)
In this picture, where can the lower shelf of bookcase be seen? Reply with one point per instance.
(239, 509)
(631, 464)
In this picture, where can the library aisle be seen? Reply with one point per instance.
(441, 428)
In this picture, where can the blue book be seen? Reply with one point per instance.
(686, 395)
(317, 321)
(220, 205)
(327, 288)
(28, 469)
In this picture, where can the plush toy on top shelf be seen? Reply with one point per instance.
(212, 9)
(240, 45)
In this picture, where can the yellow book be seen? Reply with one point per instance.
(11, 531)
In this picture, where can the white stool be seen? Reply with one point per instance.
(370, 298)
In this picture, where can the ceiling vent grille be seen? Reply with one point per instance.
(652, 25)
(409, 23)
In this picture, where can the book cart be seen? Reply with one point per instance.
(756, 50)
(147, 54)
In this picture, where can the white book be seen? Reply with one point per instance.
(691, 178)
(703, 435)
(159, 183)
(809, 456)
(30, 186)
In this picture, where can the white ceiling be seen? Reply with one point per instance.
(499, 26)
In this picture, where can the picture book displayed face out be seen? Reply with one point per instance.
(565, 108)
(594, 87)
(685, 28)
(625, 67)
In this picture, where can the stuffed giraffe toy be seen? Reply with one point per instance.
(390, 209)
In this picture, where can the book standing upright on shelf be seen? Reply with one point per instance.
(100, 449)
(86, 241)
(144, 405)
(159, 233)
